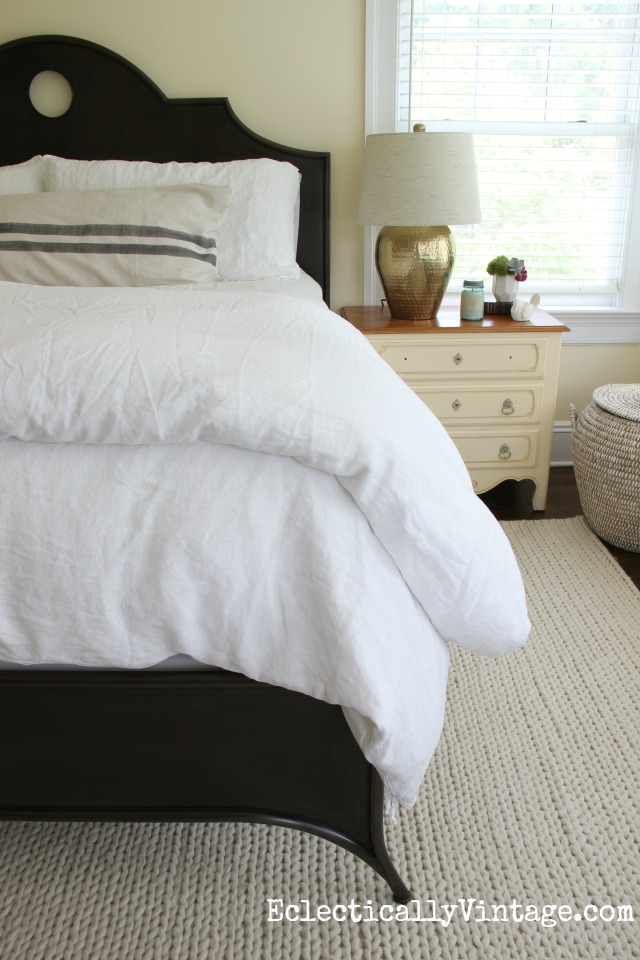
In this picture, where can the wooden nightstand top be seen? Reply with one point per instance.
(378, 320)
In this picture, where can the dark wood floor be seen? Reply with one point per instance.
(511, 500)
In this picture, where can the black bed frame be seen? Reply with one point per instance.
(180, 746)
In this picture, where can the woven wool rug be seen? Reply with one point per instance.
(527, 823)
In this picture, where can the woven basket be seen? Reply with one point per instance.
(606, 458)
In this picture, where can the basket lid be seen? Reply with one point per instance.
(622, 399)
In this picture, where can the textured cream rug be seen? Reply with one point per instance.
(528, 820)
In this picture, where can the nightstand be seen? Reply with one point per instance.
(491, 382)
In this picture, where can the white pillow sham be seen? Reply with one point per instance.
(258, 238)
(102, 238)
(27, 177)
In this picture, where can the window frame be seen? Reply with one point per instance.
(598, 324)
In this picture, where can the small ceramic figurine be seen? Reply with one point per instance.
(521, 310)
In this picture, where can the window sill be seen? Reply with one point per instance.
(597, 324)
(591, 324)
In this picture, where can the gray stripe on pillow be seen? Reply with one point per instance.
(103, 230)
(22, 246)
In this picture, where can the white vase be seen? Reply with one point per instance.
(505, 289)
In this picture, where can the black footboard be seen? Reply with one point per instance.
(186, 746)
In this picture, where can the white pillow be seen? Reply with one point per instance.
(257, 240)
(27, 177)
(103, 238)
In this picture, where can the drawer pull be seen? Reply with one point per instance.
(507, 408)
(456, 405)
(505, 452)
(457, 359)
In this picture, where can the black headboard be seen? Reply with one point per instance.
(118, 113)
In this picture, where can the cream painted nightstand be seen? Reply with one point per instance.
(491, 382)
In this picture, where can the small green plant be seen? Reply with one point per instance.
(501, 266)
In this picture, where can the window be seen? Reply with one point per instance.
(550, 92)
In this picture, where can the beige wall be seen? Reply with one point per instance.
(292, 69)
(585, 367)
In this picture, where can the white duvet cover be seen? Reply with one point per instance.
(240, 478)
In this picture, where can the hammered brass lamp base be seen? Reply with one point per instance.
(415, 265)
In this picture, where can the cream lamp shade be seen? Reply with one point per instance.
(415, 185)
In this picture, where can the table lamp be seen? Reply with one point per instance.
(412, 184)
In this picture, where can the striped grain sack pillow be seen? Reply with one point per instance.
(112, 238)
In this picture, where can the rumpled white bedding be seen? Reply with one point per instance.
(240, 478)
(303, 286)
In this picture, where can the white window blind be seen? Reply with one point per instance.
(550, 91)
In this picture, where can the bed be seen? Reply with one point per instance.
(234, 545)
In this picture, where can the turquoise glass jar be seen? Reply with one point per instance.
(472, 300)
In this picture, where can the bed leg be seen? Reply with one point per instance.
(384, 865)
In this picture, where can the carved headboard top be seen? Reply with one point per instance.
(119, 113)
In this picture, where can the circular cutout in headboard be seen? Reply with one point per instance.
(50, 93)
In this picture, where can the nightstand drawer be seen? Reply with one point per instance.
(488, 356)
(503, 402)
(493, 449)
